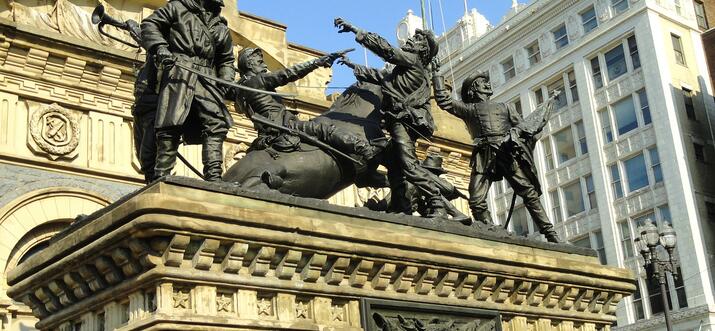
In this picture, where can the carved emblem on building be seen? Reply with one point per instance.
(224, 303)
(55, 131)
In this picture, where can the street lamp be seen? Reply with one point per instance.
(656, 268)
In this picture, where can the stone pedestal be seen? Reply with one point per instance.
(186, 254)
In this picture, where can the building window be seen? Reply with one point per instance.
(591, 192)
(581, 135)
(615, 62)
(645, 108)
(619, 6)
(572, 86)
(700, 15)
(638, 302)
(533, 53)
(498, 188)
(699, 151)
(520, 222)
(626, 243)
(633, 49)
(548, 154)
(641, 220)
(606, 125)
(561, 38)
(678, 49)
(556, 207)
(664, 215)
(582, 242)
(596, 72)
(678, 7)
(710, 210)
(516, 104)
(679, 286)
(588, 19)
(616, 181)
(561, 100)
(600, 247)
(689, 107)
(564, 145)
(539, 95)
(573, 198)
(656, 302)
(636, 172)
(655, 165)
(508, 68)
(625, 112)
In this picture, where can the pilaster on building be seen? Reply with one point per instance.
(631, 137)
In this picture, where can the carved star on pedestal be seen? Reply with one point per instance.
(264, 307)
(301, 310)
(181, 300)
(223, 303)
(337, 313)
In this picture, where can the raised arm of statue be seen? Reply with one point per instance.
(291, 74)
(445, 101)
(382, 48)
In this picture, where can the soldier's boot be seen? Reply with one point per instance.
(481, 215)
(456, 214)
(538, 215)
(552, 236)
(212, 158)
(436, 208)
(167, 147)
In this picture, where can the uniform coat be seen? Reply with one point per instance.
(198, 38)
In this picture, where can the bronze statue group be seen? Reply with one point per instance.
(190, 70)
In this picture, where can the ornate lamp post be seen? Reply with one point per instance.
(656, 268)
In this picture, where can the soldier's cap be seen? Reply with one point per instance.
(431, 41)
(243, 56)
(433, 163)
(467, 83)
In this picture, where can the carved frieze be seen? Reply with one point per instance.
(54, 132)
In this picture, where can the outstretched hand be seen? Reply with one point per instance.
(344, 25)
(435, 65)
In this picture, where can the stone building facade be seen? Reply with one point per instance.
(66, 126)
(631, 139)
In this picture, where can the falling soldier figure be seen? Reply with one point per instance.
(190, 32)
(418, 201)
(255, 74)
(503, 145)
(406, 94)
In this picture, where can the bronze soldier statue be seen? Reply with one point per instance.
(190, 32)
(406, 94)
(502, 147)
(255, 74)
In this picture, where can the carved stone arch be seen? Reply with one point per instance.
(35, 216)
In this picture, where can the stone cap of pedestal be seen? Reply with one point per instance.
(196, 232)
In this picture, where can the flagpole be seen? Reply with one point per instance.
(424, 18)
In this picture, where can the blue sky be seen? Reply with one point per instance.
(310, 22)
